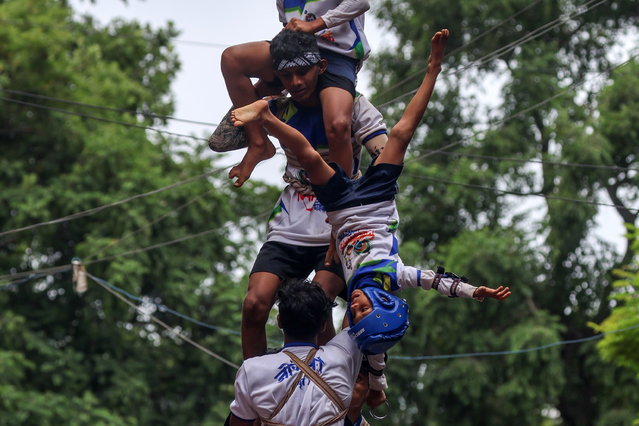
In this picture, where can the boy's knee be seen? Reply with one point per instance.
(339, 126)
(229, 59)
(254, 309)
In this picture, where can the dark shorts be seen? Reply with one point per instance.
(379, 183)
(327, 79)
(341, 72)
(291, 261)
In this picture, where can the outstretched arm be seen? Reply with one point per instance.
(403, 131)
(445, 283)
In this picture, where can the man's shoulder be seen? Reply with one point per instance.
(259, 362)
(342, 343)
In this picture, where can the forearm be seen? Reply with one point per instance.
(417, 106)
(346, 11)
(444, 283)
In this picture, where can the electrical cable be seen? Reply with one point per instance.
(116, 203)
(502, 50)
(154, 246)
(17, 283)
(461, 48)
(163, 324)
(159, 306)
(163, 308)
(520, 113)
(513, 352)
(149, 224)
(62, 268)
(105, 120)
(520, 194)
(31, 274)
(120, 292)
(536, 161)
(105, 108)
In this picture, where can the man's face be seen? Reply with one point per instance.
(360, 305)
(301, 82)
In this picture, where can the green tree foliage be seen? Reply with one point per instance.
(91, 359)
(622, 348)
(546, 60)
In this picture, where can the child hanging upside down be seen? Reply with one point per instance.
(364, 219)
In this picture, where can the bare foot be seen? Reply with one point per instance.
(254, 155)
(438, 45)
(249, 113)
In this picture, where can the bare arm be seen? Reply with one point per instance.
(417, 106)
(403, 131)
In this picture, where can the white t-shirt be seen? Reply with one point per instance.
(298, 218)
(262, 382)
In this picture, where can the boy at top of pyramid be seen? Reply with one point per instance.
(364, 219)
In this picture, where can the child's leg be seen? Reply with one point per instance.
(240, 63)
(259, 299)
(337, 109)
(318, 171)
(403, 131)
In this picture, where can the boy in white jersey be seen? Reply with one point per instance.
(339, 27)
(364, 219)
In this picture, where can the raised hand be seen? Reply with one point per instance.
(499, 293)
(438, 46)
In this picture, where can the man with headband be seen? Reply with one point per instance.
(338, 27)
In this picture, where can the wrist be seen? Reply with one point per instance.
(318, 25)
(434, 68)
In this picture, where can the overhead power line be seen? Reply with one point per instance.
(516, 351)
(29, 275)
(519, 194)
(502, 50)
(150, 223)
(62, 268)
(106, 108)
(520, 113)
(459, 49)
(105, 120)
(202, 43)
(535, 161)
(163, 308)
(107, 206)
(162, 324)
(121, 294)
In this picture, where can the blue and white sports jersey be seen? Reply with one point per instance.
(344, 20)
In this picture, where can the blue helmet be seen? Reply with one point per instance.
(383, 326)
